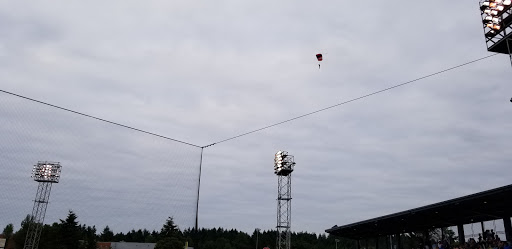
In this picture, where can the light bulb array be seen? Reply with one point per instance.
(283, 163)
(492, 9)
(46, 172)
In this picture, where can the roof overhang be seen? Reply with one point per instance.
(488, 205)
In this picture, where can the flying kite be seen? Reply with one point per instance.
(319, 58)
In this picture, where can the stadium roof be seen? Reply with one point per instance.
(488, 205)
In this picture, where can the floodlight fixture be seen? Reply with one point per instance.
(492, 19)
(493, 26)
(491, 11)
(45, 171)
(497, 25)
(283, 163)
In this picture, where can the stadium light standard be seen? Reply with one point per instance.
(46, 173)
(283, 167)
(497, 25)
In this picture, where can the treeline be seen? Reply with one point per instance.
(218, 238)
(69, 234)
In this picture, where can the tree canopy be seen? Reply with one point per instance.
(69, 233)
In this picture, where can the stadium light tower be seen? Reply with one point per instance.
(46, 173)
(497, 23)
(283, 167)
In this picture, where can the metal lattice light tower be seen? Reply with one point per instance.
(46, 173)
(283, 167)
(497, 22)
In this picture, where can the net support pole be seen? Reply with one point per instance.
(198, 188)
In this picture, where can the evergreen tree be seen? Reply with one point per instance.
(170, 229)
(8, 230)
(88, 237)
(169, 243)
(107, 235)
(70, 232)
(119, 237)
(170, 236)
(51, 237)
(20, 235)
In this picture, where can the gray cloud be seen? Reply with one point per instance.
(205, 71)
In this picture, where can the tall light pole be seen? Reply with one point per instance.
(45, 173)
(283, 167)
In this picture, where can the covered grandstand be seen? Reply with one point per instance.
(494, 204)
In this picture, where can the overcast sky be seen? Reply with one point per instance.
(204, 71)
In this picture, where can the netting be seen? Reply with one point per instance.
(110, 175)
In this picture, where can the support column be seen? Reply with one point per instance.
(388, 237)
(460, 231)
(427, 238)
(358, 244)
(508, 228)
(366, 243)
(483, 230)
(442, 234)
(377, 243)
(398, 241)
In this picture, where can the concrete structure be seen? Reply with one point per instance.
(125, 245)
(2, 243)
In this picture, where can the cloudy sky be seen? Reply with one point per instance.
(205, 71)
